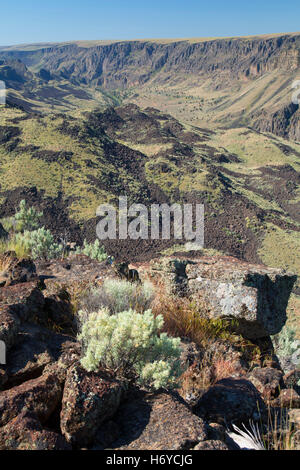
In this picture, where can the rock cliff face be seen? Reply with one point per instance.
(230, 69)
(285, 122)
(123, 64)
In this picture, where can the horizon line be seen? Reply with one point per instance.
(92, 42)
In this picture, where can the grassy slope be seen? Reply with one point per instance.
(219, 101)
(164, 166)
(167, 170)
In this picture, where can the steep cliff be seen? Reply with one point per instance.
(231, 82)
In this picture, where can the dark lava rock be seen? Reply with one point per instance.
(158, 422)
(231, 400)
(88, 400)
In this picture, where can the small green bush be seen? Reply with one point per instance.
(10, 225)
(129, 346)
(285, 342)
(287, 347)
(93, 250)
(118, 296)
(27, 218)
(39, 243)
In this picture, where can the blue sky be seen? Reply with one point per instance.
(29, 21)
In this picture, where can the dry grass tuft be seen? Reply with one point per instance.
(12, 245)
(281, 432)
(189, 319)
(223, 369)
(5, 263)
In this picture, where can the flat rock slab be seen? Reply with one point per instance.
(76, 270)
(158, 422)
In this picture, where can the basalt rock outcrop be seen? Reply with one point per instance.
(41, 395)
(123, 64)
(284, 122)
(267, 381)
(231, 400)
(25, 432)
(255, 297)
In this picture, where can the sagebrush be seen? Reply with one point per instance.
(27, 218)
(39, 243)
(93, 250)
(118, 296)
(129, 345)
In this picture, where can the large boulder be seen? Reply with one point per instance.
(24, 300)
(158, 422)
(88, 400)
(231, 400)
(19, 304)
(36, 348)
(254, 296)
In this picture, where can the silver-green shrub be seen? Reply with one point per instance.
(93, 250)
(129, 346)
(118, 296)
(287, 347)
(27, 218)
(39, 243)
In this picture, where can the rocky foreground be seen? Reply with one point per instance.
(48, 401)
